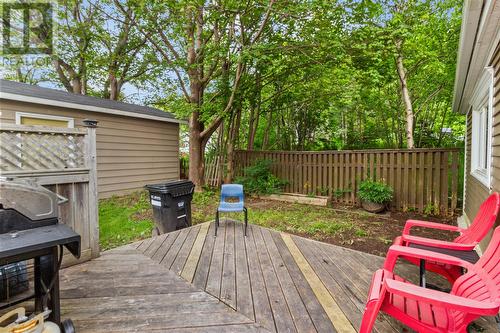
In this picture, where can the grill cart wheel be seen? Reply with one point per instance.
(67, 326)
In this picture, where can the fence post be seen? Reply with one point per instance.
(91, 162)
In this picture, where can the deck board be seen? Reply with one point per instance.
(298, 311)
(204, 263)
(181, 258)
(261, 303)
(347, 287)
(282, 317)
(172, 253)
(244, 302)
(215, 269)
(228, 281)
(322, 289)
(125, 291)
(165, 247)
(191, 281)
(194, 255)
(317, 313)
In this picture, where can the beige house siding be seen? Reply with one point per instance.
(475, 192)
(131, 152)
(495, 151)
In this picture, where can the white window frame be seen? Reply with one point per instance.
(19, 115)
(482, 114)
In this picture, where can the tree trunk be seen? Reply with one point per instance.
(405, 93)
(265, 141)
(232, 142)
(196, 151)
(254, 112)
(196, 140)
(220, 157)
(68, 76)
(114, 88)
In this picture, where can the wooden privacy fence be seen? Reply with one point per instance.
(423, 179)
(64, 161)
(214, 171)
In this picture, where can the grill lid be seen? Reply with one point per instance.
(32, 200)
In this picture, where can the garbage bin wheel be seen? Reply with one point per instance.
(155, 232)
(67, 326)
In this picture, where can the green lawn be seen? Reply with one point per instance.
(129, 218)
(120, 221)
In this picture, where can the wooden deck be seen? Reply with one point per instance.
(191, 281)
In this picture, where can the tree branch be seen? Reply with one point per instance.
(159, 49)
(62, 77)
(213, 126)
(264, 22)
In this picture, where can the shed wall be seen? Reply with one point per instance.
(131, 152)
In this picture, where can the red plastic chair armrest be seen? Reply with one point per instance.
(407, 239)
(441, 299)
(396, 251)
(375, 292)
(416, 223)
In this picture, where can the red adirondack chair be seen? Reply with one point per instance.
(474, 294)
(462, 246)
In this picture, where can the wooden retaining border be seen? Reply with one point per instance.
(298, 198)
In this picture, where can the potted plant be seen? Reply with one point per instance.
(374, 195)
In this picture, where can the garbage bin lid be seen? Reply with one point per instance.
(171, 186)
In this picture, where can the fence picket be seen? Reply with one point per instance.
(454, 182)
(420, 178)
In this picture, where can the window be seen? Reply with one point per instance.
(35, 119)
(481, 128)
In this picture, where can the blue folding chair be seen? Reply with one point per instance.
(234, 191)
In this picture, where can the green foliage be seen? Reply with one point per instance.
(258, 179)
(122, 221)
(340, 192)
(430, 209)
(204, 198)
(323, 190)
(411, 209)
(361, 233)
(373, 191)
(320, 76)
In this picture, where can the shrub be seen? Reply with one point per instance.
(373, 191)
(258, 179)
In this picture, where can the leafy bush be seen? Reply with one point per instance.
(373, 191)
(338, 193)
(258, 179)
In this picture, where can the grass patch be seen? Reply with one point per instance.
(120, 220)
(130, 218)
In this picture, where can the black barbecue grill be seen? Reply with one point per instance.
(30, 230)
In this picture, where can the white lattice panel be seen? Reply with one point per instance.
(31, 150)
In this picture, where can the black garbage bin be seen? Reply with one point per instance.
(171, 203)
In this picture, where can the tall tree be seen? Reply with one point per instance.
(199, 41)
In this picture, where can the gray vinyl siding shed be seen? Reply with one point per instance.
(136, 145)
